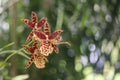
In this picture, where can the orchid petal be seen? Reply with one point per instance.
(39, 61)
(39, 34)
(41, 22)
(55, 34)
(29, 49)
(34, 17)
(47, 29)
(29, 23)
(30, 61)
(29, 36)
(55, 47)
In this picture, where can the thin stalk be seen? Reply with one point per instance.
(67, 43)
(13, 54)
(10, 44)
(60, 16)
(12, 51)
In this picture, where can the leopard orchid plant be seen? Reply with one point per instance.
(44, 42)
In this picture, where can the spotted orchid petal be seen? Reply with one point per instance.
(34, 17)
(29, 36)
(39, 34)
(55, 34)
(46, 48)
(28, 23)
(47, 29)
(39, 61)
(55, 48)
(41, 22)
(29, 49)
(32, 48)
(30, 61)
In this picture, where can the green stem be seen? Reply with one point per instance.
(7, 51)
(14, 51)
(60, 16)
(13, 54)
(10, 44)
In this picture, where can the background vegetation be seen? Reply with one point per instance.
(91, 26)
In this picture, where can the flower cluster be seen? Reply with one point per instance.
(44, 42)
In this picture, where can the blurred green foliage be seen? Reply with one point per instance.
(91, 26)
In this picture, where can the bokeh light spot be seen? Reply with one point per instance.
(99, 77)
(117, 76)
(96, 8)
(84, 60)
(88, 70)
(93, 57)
(92, 47)
(62, 63)
(78, 67)
(71, 53)
(108, 18)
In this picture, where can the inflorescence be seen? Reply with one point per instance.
(44, 42)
